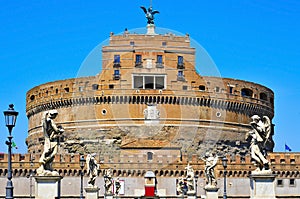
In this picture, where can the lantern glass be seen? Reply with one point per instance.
(82, 161)
(224, 162)
(10, 117)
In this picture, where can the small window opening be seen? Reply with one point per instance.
(202, 88)
(67, 89)
(149, 156)
(230, 89)
(138, 60)
(116, 59)
(80, 88)
(180, 64)
(32, 97)
(95, 87)
(116, 74)
(292, 182)
(279, 182)
(247, 92)
(263, 96)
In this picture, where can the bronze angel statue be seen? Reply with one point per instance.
(149, 14)
(261, 141)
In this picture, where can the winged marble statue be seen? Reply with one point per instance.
(149, 14)
(260, 141)
(93, 167)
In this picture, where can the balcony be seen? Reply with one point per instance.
(116, 77)
(180, 66)
(159, 65)
(117, 64)
(139, 64)
(180, 78)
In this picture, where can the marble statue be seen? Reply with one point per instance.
(52, 133)
(190, 178)
(260, 139)
(93, 167)
(210, 164)
(149, 14)
(180, 186)
(118, 186)
(108, 182)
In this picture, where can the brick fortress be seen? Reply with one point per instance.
(150, 94)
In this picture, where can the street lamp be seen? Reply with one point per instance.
(82, 163)
(224, 162)
(196, 184)
(10, 121)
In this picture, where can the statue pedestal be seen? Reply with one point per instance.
(151, 29)
(92, 192)
(191, 195)
(108, 196)
(47, 186)
(211, 192)
(262, 186)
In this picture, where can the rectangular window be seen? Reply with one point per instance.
(180, 73)
(138, 82)
(95, 86)
(180, 64)
(230, 90)
(117, 73)
(138, 59)
(159, 59)
(279, 182)
(149, 82)
(292, 182)
(159, 82)
(116, 59)
(180, 60)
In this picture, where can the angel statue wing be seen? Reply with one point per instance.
(268, 141)
(88, 158)
(267, 123)
(155, 12)
(144, 9)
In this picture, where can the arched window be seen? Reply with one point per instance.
(263, 96)
(202, 88)
(246, 92)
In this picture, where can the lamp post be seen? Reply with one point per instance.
(224, 162)
(10, 121)
(82, 163)
(196, 184)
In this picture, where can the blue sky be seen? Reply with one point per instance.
(253, 40)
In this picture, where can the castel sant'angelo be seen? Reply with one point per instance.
(149, 108)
